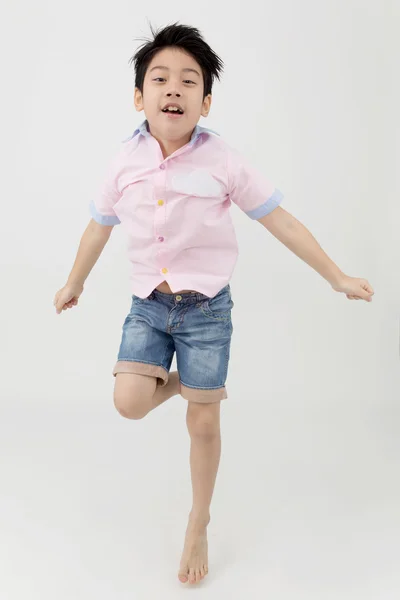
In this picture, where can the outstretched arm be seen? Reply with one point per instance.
(299, 240)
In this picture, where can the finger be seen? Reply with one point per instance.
(363, 294)
(368, 287)
(367, 296)
(368, 291)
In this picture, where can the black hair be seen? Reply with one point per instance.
(186, 38)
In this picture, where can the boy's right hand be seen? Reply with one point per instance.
(67, 297)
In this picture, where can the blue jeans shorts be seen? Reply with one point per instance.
(196, 327)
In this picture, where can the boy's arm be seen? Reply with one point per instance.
(91, 246)
(299, 240)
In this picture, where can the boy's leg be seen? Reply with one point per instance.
(202, 344)
(144, 359)
(203, 422)
(136, 395)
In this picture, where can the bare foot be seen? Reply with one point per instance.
(194, 562)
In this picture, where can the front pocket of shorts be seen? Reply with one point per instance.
(218, 308)
(136, 300)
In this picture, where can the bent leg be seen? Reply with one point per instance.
(136, 395)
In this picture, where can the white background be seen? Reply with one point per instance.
(307, 497)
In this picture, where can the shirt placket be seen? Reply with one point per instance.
(160, 219)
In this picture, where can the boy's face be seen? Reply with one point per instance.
(173, 77)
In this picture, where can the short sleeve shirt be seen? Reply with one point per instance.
(176, 211)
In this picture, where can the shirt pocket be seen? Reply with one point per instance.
(198, 182)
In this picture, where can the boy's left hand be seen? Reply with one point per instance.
(354, 288)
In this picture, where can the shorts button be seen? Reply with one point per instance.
(178, 298)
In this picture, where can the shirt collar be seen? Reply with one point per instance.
(144, 131)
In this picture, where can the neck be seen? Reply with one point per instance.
(167, 146)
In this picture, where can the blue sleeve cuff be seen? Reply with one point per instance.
(267, 207)
(103, 219)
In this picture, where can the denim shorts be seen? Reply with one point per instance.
(196, 327)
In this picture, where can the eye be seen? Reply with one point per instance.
(188, 81)
(158, 78)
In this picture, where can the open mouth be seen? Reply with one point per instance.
(172, 111)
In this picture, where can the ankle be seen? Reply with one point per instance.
(199, 518)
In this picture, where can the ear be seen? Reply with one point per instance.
(138, 100)
(206, 105)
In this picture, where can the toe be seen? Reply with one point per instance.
(198, 575)
(192, 576)
(183, 576)
(202, 572)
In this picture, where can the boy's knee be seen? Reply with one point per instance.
(203, 422)
(131, 401)
(130, 408)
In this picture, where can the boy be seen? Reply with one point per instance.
(171, 186)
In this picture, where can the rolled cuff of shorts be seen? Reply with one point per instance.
(203, 396)
(265, 209)
(138, 368)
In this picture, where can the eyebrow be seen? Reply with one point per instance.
(183, 70)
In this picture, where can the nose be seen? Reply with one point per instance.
(173, 87)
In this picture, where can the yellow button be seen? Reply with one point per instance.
(179, 298)
(160, 202)
(164, 270)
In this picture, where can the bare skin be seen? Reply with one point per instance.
(203, 422)
(134, 397)
(164, 287)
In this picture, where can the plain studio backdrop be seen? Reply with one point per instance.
(307, 500)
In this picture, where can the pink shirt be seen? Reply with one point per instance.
(176, 211)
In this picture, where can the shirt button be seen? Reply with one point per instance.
(161, 239)
(160, 202)
(162, 167)
(164, 270)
